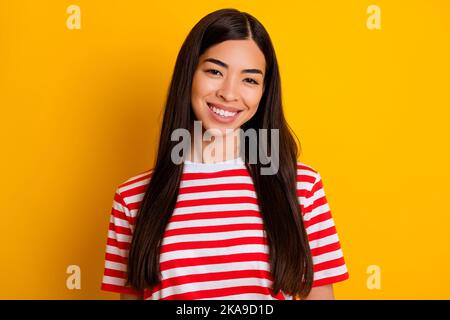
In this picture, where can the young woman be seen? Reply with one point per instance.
(215, 227)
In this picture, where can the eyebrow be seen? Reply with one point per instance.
(223, 64)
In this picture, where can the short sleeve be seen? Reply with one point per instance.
(328, 259)
(120, 231)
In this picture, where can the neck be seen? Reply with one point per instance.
(217, 148)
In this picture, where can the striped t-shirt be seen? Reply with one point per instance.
(214, 246)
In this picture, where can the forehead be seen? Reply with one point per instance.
(239, 54)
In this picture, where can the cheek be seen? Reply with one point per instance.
(252, 98)
(202, 86)
(196, 94)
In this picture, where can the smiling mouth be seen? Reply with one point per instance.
(222, 113)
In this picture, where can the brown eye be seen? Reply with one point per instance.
(213, 71)
(252, 81)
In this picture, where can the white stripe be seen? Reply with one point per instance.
(303, 201)
(317, 195)
(306, 202)
(244, 296)
(212, 236)
(210, 252)
(119, 252)
(118, 236)
(190, 167)
(212, 222)
(115, 265)
(306, 172)
(137, 198)
(134, 212)
(320, 226)
(214, 181)
(213, 268)
(323, 241)
(328, 273)
(210, 285)
(316, 211)
(328, 256)
(304, 185)
(217, 207)
(114, 280)
(118, 206)
(216, 194)
(213, 208)
(118, 222)
(134, 185)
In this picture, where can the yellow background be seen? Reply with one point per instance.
(80, 111)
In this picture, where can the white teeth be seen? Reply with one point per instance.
(222, 112)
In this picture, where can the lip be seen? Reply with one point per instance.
(221, 119)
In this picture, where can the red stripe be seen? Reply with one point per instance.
(302, 192)
(188, 262)
(217, 187)
(211, 229)
(316, 187)
(191, 245)
(215, 215)
(330, 280)
(219, 174)
(116, 258)
(215, 293)
(118, 289)
(118, 198)
(322, 233)
(329, 264)
(118, 244)
(134, 205)
(305, 178)
(306, 168)
(134, 191)
(319, 218)
(325, 249)
(119, 230)
(317, 203)
(214, 201)
(216, 276)
(115, 273)
(119, 214)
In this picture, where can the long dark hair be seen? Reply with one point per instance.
(290, 257)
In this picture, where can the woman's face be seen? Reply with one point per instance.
(228, 84)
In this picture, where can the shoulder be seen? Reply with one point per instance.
(307, 177)
(134, 185)
(309, 188)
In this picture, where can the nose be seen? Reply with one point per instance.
(229, 90)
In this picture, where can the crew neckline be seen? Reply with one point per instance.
(230, 161)
(200, 167)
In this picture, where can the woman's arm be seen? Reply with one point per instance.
(127, 296)
(321, 293)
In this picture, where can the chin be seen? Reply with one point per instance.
(219, 131)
